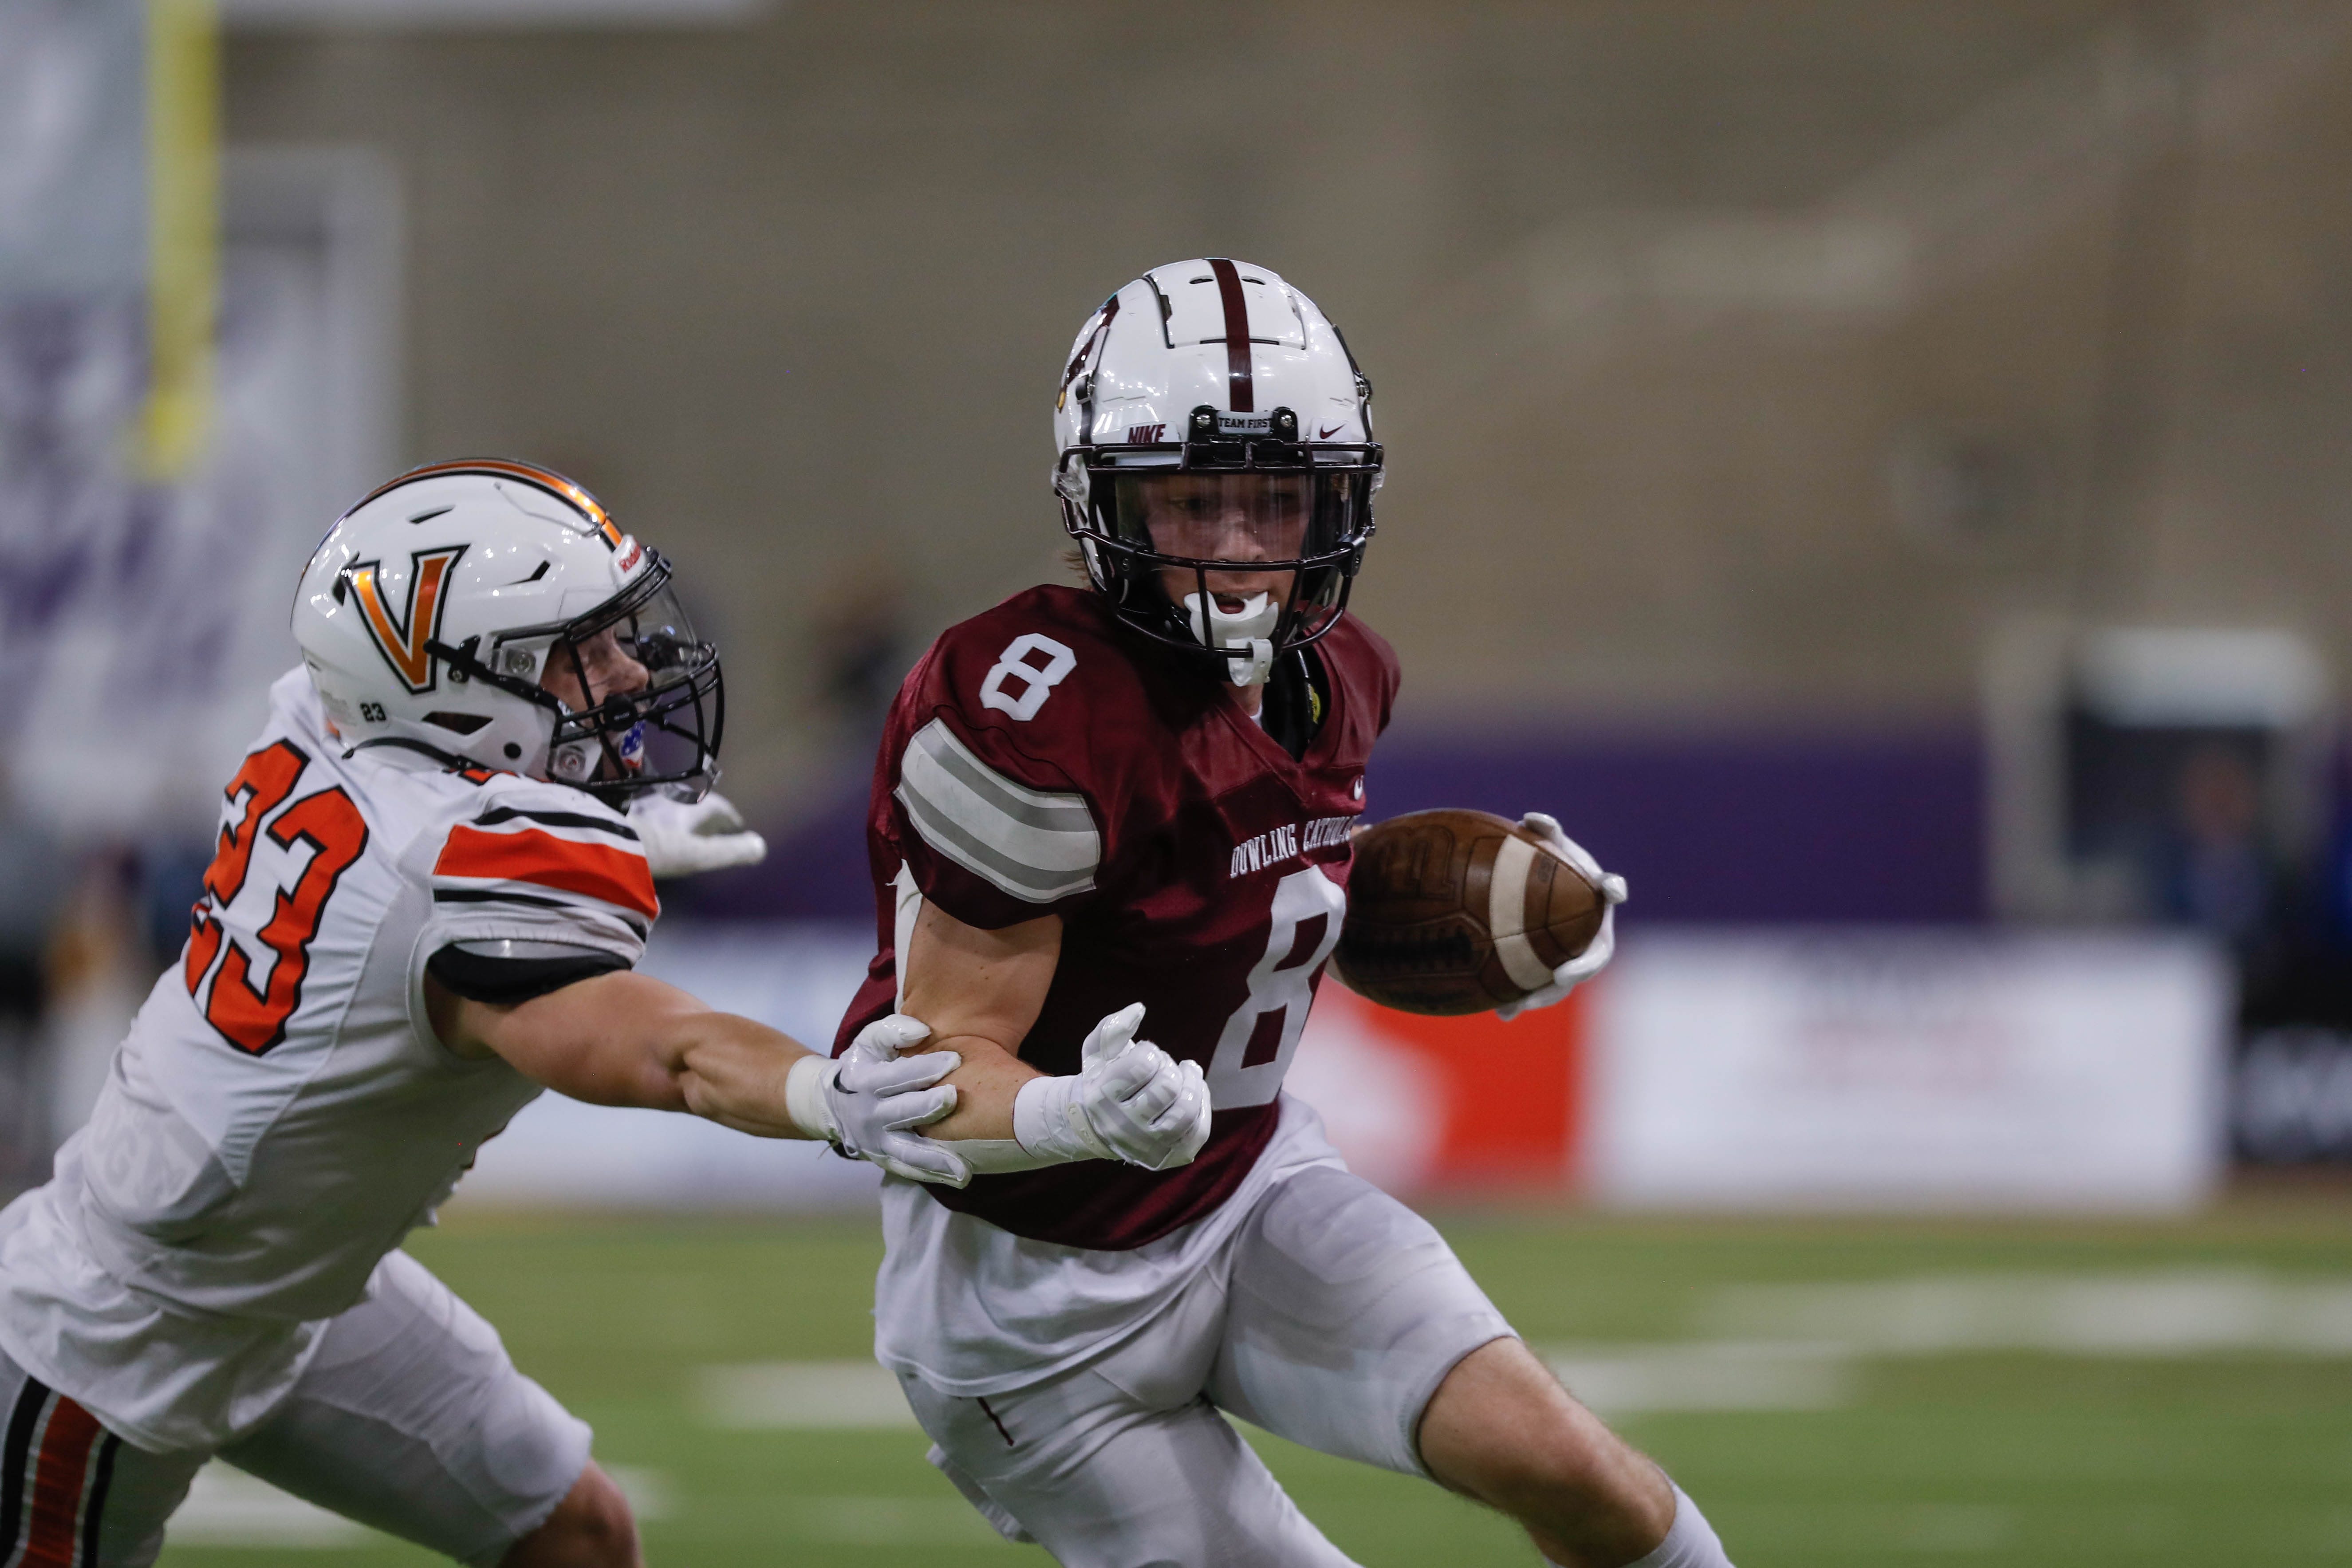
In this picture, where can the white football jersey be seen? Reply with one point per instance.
(281, 1114)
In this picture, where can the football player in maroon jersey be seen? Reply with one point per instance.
(1143, 792)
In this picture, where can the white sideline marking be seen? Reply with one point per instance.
(1802, 1347)
(2176, 1313)
(1938, 1532)
(896, 1521)
(225, 1507)
(647, 1491)
(803, 1394)
(1782, 1347)
(1957, 1527)
(1621, 1380)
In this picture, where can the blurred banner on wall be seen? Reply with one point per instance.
(408, 15)
(1825, 1070)
(73, 199)
(1905, 1071)
(143, 581)
(795, 978)
(1448, 1108)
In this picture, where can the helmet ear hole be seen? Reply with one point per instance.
(463, 723)
(437, 641)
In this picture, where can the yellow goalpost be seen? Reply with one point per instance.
(184, 231)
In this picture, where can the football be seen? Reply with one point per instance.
(1458, 911)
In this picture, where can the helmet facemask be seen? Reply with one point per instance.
(1280, 525)
(639, 704)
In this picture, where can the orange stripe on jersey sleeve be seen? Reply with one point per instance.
(594, 870)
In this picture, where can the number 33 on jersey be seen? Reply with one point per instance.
(281, 1080)
(327, 866)
(254, 1019)
(1041, 760)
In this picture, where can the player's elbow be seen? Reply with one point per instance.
(639, 1084)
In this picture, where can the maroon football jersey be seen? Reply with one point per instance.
(1043, 758)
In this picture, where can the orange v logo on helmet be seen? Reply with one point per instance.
(403, 641)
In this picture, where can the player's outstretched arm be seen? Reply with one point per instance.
(980, 992)
(625, 1038)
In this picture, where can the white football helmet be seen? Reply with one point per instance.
(1216, 387)
(490, 613)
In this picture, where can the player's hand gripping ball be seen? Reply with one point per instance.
(1460, 911)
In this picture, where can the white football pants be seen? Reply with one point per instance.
(410, 1418)
(1331, 1320)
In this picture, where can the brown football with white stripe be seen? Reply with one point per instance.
(1458, 911)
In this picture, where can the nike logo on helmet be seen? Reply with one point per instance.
(1326, 435)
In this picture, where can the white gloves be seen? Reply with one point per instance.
(1596, 955)
(1130, 1100)
(682, 840)
(868, 1100)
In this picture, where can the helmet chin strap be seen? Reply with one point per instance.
(1248, 630)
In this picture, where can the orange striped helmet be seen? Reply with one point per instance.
(491, 613)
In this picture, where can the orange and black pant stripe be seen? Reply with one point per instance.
(53, 1468)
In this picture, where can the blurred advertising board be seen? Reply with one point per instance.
(144, 619)
(147, 557)
(1447, 1107)
(559, 1152)
(1881, 1070)
(2290, 1092)
(1851, 1071)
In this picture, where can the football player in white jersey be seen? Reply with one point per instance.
(426, 908)
(1143, 791)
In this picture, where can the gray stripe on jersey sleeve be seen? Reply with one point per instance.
(1034, 845)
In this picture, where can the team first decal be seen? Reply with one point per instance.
(403, 641)
(1288, 842)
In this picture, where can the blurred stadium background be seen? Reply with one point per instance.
(1878, 471)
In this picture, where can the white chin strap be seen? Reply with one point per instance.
(1249, 631)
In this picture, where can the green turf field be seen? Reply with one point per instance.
(2199, 1410)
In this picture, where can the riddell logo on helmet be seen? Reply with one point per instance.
(1146, 434)
(402, 642)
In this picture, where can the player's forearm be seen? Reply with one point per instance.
(980, 992)
(713, 1065)
(986, 1086)
(628, 1039)
(738, 1073)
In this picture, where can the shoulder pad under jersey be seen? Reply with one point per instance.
(1011, 760)
(529, 860)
